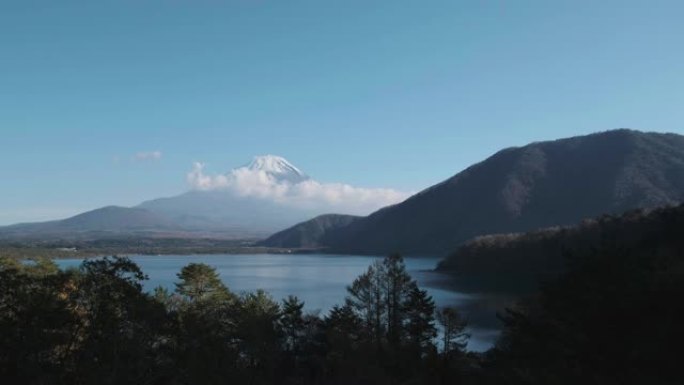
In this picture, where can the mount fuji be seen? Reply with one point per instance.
(246, 202)
(262, 197)
(278, 168)
(253, 201)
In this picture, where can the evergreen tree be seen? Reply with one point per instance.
(199, 282)
(343, 321)
(380, 297)
(396, 287)
(420, 325)
(258, 333)
(118, 338)
(292, 322)
(366, 299)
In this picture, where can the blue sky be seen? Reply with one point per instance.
(393, 94)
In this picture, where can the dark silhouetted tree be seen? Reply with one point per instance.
(420, 322)
(292, 322)
(454, 337)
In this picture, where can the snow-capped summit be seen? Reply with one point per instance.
(278, 168)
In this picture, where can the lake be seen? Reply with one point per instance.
(320, 280)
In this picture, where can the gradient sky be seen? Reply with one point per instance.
(397, 94)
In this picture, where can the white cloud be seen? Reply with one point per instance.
(309, 194)
(144, 156)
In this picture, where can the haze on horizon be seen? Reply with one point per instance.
(113, 102)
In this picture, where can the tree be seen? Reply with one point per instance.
(420, 325)
(35, 328)
(199, 281)
(366, 299)
(38, 267)
(120, 331)
(346, 345)
(258, 333)
(397, 286)
(343, 324)
(380, 297)
(42, 267)
(97, 325)
(119, 269)
(10, 264)
(172, 302)
(454, 337)
(292, 322)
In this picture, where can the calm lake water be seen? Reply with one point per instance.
(320, 280)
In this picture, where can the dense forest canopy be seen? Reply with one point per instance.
(95, 324)
(519, 261)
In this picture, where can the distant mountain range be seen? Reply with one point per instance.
(213, 213)
(517, 189)
(219, 212)
(103, 222)
(247, 203)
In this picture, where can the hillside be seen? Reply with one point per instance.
(520, 189)
(613, 315)
(523, 259)
(106, 220)
(222, 212)
(309, 234)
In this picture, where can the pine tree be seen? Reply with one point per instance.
(366, 299)
(397, 285)
(292, 322)
(420, 326)
(199, 281)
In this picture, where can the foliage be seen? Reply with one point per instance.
(614, 317)
(518, 262)
(96, 325)
(200, 282)
(454, 336)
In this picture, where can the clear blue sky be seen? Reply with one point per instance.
(398, 94)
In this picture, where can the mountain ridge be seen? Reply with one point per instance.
(112, 220)
(541, 184)
(517, 189)
(309, 234)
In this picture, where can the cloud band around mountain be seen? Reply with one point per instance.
(310, 194)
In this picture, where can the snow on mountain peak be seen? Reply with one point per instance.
(278, 168)
(274, 179)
